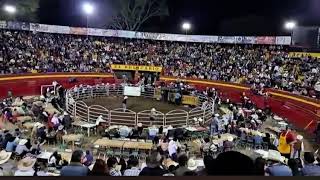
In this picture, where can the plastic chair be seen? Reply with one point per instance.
(110, 153)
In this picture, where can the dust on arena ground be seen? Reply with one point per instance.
(136, 104)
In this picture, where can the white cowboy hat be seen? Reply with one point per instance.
(299, 137)
(26, 163)
(139, 124)
(23, 141)
(4, 156)
(60, 127)
(126, 97)
(192, 165)
(216, 115)
(274, 156)
(230, 138)
(65, 113)
(260, 110)
(153, 109)
(200, 120)
(36, 124)
(195, 119)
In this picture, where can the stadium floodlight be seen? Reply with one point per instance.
(10, 9)
(88, 8)
(186, 26)
(290, 25)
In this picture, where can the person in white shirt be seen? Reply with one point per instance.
(55, 121)
(25, 167)
(21, 148)
(172, 148)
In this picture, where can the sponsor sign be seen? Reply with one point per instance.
(136, 68)
(190, 100)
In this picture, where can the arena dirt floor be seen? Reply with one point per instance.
(136, 104)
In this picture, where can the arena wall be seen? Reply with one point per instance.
(303, 112)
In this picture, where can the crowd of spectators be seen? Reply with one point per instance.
(258, 66)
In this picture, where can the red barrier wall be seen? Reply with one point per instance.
(300, 111)
(24, 85)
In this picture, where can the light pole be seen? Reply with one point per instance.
(186, 27)
(88, 10)
(290, 25)
(10, 9)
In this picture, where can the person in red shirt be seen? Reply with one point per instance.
(290, 139)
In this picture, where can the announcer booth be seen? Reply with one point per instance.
(135, 73)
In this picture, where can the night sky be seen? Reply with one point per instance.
(210, 17)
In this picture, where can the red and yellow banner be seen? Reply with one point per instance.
(136, 68)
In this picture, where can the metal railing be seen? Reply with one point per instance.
(76, 106)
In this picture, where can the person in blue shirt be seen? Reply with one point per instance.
(75, 168)
(11, 145)
(310, 169)
(177, 98)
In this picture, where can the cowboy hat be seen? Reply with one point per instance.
(200, 120)
(37, 124)
(126, 97)
(192, 165)
(4, 156)
(153, 109)
(195, 119)
(23, 141)
(299, 137)
(60, 127)
(274, 156)
(65, 113)
(139, 124)
(216, 115)
(26, 163)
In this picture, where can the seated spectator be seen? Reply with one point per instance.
(228, 145)
(124, 131)
(100, 168)
(233, 163)
(163, 144)
(260, 165)
(60, 133)
(51, 136)
(153, 166)
(75, 168)
(53, 160)
(43, 171)
(25, 167)
(205, 147)
(21, 148)
(11, 145)
(192, 165)
(294, 166)
(310, 169)
(182, 168)
(123, 165)
(114, 169)
(208, 169)
(88, 159)
(7, 166)
(276, 165)
(134, 170)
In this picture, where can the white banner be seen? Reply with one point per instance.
(280, 40)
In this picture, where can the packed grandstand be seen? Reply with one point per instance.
(44, 135)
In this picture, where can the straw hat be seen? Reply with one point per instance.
(126, 97)
(4, 156)
(192, 165)
(153, 109)
(60, 127)
(230, 138)
(23, 141)
(139, 124)
(299, 137)
(26, 163)
(274, 156)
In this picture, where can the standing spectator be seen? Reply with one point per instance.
(66, 121)
(228, 145)
(153, 166)
(298, 147)
(124, 103)
(75, 168)
(25, 167)
(260, 165)
(112, 163)
(172, 148)
(134, 170)
(310, 169)
(286, 140)
(100, 168)
(214, 125)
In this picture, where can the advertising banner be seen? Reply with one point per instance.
(227, 39)
(18, 25)
(245, 39)
(304, 54)
(190, 100)
(3, 24)
(265, 40)
(78, 31)
(136, 68)
(283, 40)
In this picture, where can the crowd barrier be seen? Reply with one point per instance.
(76, 106)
